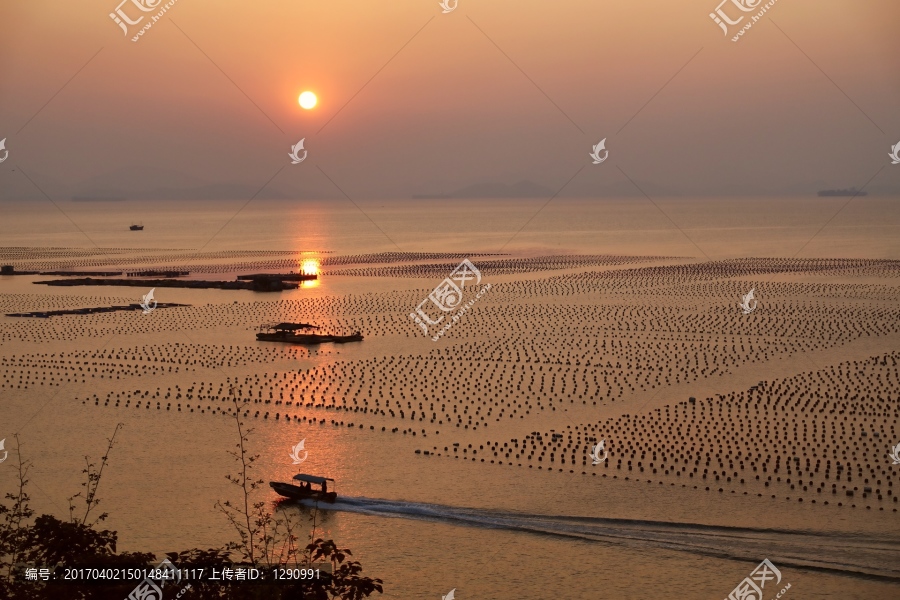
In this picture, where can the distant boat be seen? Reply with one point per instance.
(287, 332)
(137, 227)
(300, 491)
(851, 192)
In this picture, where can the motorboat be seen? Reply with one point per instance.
(303, 488)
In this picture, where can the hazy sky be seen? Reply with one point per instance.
(412, 100)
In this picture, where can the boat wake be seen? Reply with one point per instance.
(851, 554)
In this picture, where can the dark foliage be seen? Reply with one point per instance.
(67, 548)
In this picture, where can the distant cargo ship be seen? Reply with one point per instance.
(851, 192)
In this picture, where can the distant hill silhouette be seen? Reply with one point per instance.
(522, 189)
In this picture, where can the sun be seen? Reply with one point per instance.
(307, 100)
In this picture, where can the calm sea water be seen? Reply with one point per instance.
(723, 227)
(425, 524)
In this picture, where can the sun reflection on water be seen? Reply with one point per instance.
(310, 266)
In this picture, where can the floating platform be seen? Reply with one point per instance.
(90, 311)
(258, 285)
(288, 334)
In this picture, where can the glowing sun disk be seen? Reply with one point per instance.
(307, 100)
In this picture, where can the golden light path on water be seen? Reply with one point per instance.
(310, 267)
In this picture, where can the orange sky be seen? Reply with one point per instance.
(494, 91)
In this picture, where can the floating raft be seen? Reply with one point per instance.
(259, 285)
(90, 311)
(288, 333)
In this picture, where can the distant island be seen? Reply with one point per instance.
(851, 192)
(98, 199)
(522, 189)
